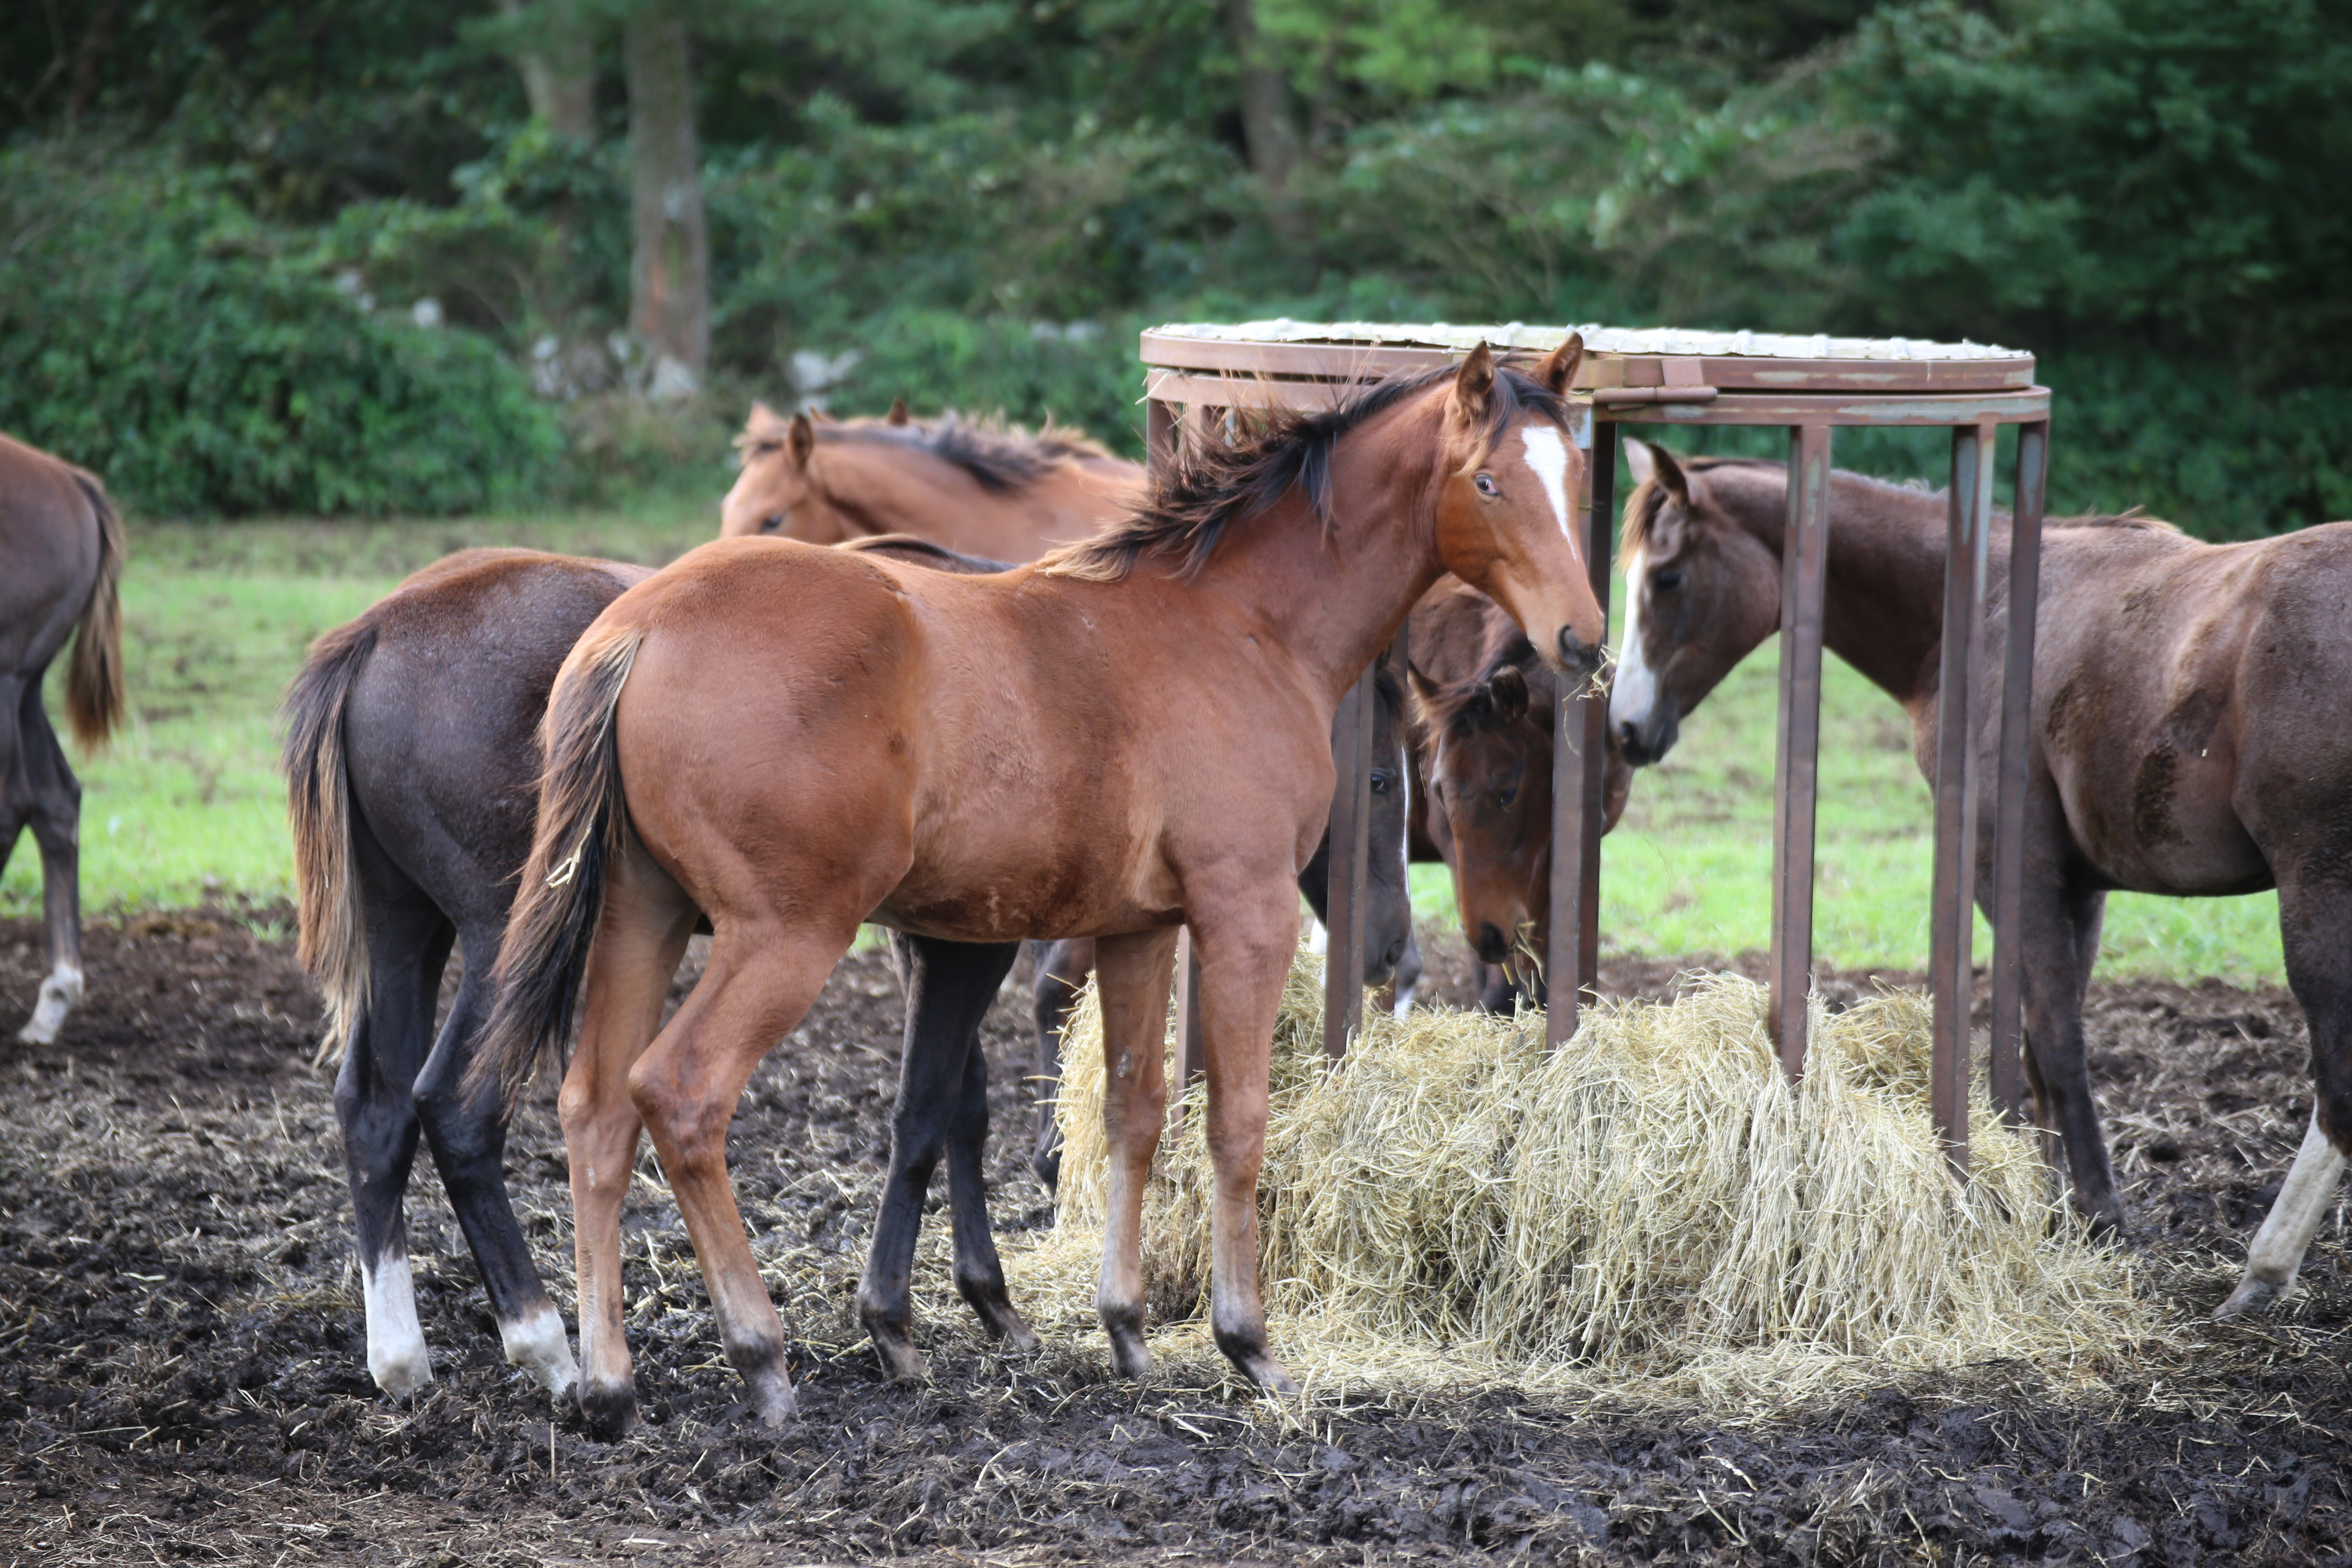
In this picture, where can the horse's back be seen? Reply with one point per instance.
(442, 726)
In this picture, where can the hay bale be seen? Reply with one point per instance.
(1651, 1209)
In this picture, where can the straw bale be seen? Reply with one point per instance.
(1651, 1212)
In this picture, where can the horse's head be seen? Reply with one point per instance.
(1506, 508)
(1388, 903)
(1700, 593)
(777, 493)
(1487, 752)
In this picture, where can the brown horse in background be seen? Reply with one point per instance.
(60, 567)
(976, 488)
(1133, 735)
(2189, 738)
(1484, 707)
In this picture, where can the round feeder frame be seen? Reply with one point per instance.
(1197, 376)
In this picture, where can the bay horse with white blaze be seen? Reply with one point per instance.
(2187, 739)
(1132, 735)
(60, 565)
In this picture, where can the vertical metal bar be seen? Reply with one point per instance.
(1351, 813)
(1951, 968)
(1578, 762)
(1159, 430)
(1796, 772)
(2016, 751)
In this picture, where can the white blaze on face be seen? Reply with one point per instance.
(1548, 455)
(1635, 688)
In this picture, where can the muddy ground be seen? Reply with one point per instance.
(182, 1377)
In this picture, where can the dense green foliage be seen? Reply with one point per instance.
(986, 199)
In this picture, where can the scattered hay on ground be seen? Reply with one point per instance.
(1651, 1213)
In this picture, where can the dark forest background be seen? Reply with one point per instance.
(408, 256)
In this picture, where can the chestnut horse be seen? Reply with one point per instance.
(1391, 957)
(2187, 740)
(1483, 711)
(978, 489)
(60, 562)
(1132, 735)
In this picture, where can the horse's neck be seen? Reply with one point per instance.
(1884, 612)
(875, 497)
(1334, 603)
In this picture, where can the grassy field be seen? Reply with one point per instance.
(187, 807)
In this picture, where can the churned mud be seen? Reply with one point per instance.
(181, 1375)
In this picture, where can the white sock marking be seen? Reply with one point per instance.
(537, 1345)
(1634, 689)
(1319, 941)
(2295, 1219)
(396, 1353)
(59, 991)
(1548, 455)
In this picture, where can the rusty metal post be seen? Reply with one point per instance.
(2016, 751)
(1796, 769)
(1951, 971)
(1578, 774)
(1351, 823)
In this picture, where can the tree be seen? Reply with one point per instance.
(559, 66)
(669, 269)
(1266, 128)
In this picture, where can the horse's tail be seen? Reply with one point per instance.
(332, 942)
(94, 694)
(582, 818)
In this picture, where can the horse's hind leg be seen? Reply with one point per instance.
(948, 988)
(467, 1133)
(55, 798)
(760, 982)
(640, 937)
(1134, 973)
(408, 944)
(1061, 968)
(2315, 932)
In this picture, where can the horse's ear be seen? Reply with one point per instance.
(1474, 386)
(1646, 460)
(1506, 689)
(763, 423)
(816, 412)
(1559, 366)
(801, 441)
(1424, 690)
(897, 415)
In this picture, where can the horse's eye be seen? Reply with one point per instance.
(1486, 485)
(1504, 797)
(1666, 582)
(773, 523)
(1379, 782)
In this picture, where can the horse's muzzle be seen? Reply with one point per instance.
(1580, 659)
(1648, 739)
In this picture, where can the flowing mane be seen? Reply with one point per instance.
(1210, 490)
(1649, 499)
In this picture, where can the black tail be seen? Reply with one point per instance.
(332, 942)
(582, 819)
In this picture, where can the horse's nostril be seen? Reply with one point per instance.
(1580, 657)
(1394, 956)
(1492, 946)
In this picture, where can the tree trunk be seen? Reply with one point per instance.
(559, 73)
(1266, 128)
(669, 271)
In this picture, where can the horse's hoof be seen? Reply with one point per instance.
(901, 1362)
(773, 1399)
(536, 1345)
(1048, 1167)
(1129, 1358)
(2251, 1298)
(403, 1376)
(1267, 1373)
(609, 1413)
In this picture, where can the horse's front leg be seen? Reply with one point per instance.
(57, 827)
(1244, 949)
(1134, 973)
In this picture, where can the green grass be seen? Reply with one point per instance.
(187, 807)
